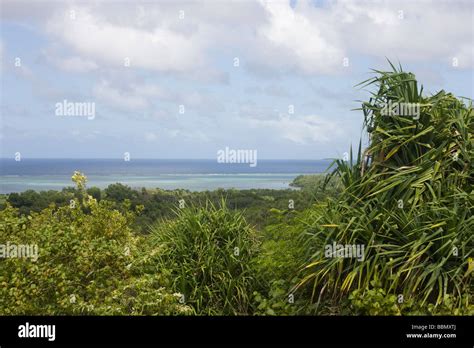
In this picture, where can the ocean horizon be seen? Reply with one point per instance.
(191, 174)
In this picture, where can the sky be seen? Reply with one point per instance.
(184, 79)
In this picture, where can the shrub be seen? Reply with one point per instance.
(86, 264)
(207, 252)
(119, 193)
(375, 301)
(408, 199)
(276, 268)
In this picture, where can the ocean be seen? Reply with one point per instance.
(194, 175)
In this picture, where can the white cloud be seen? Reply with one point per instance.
(300, 39)
(133, 96)
(300, 130)
(411, 31)
(313, 40)
(267, 35)
(94, 36)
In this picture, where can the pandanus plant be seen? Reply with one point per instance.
(408, 198)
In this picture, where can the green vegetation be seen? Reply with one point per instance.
(254, 204)
(316, 184)
(89, 263)
(407, 199)
(207, 252)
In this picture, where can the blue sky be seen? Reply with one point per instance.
(291, 54)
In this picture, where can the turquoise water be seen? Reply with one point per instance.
(194, 175)
(190, 182)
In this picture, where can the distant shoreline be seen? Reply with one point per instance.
(195, 175)
(190, 182)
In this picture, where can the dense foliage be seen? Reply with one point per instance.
(159, 204)
(87, 263)
(408, 199)
(207, 252)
